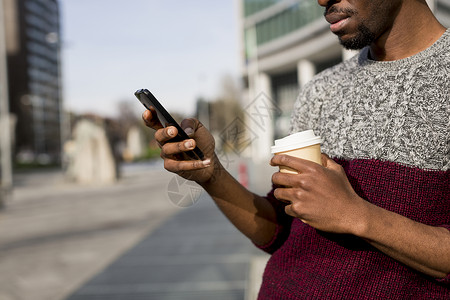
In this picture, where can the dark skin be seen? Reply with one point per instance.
(321, 195)
(401, 28)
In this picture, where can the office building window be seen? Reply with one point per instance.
(285, 89)
(443, 6)
(254, 6)
(282, 23)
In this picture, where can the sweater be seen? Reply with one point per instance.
(387, 124)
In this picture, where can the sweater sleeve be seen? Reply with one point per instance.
(283, 225)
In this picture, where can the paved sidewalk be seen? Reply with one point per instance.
(196, 254)
(55, 235)
(124, 241)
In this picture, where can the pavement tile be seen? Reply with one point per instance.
(196, 254)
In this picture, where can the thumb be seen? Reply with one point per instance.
(190, 126)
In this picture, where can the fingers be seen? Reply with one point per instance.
(169, 149)
(302, 165)
(284, 195)
(162, 134)
(165, 134)
(151, 119)
(289, 194)
(177, 166)
(298, 164)
(308, 171)
(285, 179)
(289, 209)
(295, 206)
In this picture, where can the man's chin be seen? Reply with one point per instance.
(351, 44)
(357, 42)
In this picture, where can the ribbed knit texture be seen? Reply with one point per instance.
(387, 124)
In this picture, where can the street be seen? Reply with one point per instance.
(130, 240)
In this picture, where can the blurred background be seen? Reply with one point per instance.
(87, 211)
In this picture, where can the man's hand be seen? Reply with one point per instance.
(320, 196)
(172, 152)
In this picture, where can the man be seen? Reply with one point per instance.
(373, 222)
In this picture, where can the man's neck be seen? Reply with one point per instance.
(414, 30)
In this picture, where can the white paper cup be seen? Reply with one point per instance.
(305, 145)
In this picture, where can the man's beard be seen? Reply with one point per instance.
(364, 38)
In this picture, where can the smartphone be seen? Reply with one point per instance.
(148, 100)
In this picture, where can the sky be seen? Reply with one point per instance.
(179, 50)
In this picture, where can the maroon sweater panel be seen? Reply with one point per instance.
(310, 264)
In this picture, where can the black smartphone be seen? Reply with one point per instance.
(148, 100)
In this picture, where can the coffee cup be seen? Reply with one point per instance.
(305, 145)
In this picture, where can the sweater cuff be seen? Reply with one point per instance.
(283, 225)
(271, 246)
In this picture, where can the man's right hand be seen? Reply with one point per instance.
(172, 152)
(251, 214)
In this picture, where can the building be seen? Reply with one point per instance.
(5, 135)
(33, 64)
(284, 44)
(442, 11)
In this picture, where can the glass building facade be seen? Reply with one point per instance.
(442, 9)
(287, 20)
(254, 6)
(34, 79)
(269, 20)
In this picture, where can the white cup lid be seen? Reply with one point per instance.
(296, 141)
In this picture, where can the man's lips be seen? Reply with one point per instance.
(337, 21)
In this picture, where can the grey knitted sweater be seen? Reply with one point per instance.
(395, 111)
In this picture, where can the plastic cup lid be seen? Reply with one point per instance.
(296, 141)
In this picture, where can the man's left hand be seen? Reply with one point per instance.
(319, 195)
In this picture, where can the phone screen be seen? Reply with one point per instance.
(148, 100)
